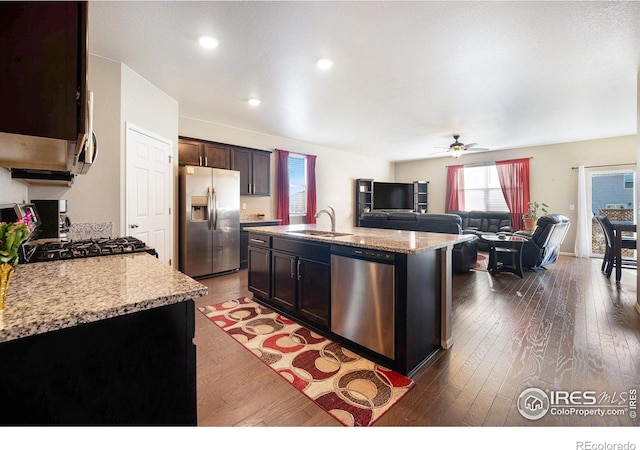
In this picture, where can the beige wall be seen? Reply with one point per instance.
(552, 179)
(121, 96)
(11, 191)
(335, 170)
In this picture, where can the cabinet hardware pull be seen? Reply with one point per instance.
(199, 160)
(258, 240)
(292, 268)
(206, 161)
(299, 271)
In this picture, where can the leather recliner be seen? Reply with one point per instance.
(543, 245)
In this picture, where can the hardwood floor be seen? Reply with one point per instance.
(566, 328)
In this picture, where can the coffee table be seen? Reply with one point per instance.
(509, 246)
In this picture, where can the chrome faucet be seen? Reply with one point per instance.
(332, 216)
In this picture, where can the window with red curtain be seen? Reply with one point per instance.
(514, 180)
(282, 182)
(311, 189)
(455, 188)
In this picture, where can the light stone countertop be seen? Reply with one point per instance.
(48, 296)
(398, 241)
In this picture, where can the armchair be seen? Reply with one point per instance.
(543, 245)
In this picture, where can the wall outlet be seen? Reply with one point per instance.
(572, 207)
(244, 206)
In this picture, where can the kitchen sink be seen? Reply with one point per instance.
(319, 233)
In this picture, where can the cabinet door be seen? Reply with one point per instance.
(189, 152)
(244, 249)
(261, 173)
(44, 63)
(217, 155)
(284, 280)
(241, 160)
(260, 271)
(314, 291)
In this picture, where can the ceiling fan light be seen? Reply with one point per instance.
(456, 152)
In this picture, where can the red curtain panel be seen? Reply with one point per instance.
(455, 188)
(514, 180)
(311, 189)
(282, 181)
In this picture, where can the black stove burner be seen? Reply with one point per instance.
(61, 250)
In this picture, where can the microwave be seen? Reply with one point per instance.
(14, 211)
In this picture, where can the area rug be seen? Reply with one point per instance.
(482, 262)
(354, 390)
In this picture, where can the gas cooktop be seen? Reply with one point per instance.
(55, 250)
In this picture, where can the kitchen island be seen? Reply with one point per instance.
(101, 340)
(307, 273)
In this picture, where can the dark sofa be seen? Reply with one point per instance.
(464, 254)
(482, 222)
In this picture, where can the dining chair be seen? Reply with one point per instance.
(608, 261)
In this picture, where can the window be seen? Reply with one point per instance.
(297, 185)
(628, 181)
(482, 190)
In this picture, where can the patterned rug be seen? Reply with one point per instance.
(352, 389)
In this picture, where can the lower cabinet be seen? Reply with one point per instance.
(300, 278)
(259, 256)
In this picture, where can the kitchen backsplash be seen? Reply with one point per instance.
(90, 230)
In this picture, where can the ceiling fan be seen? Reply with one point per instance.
(457, 149)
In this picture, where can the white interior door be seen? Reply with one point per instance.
(148, 190)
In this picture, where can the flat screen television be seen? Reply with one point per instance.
(392, 195)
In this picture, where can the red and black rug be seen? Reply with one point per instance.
(354, 390)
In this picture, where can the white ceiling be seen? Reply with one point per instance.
(406, 75)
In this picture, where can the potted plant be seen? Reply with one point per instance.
(12, 235)
(531, 216)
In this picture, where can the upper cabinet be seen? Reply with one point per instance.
(255, 170)
(203, 153)
(44, 68)
(254, 165)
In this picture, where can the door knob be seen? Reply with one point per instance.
(134, 225)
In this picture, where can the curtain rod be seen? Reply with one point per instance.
(607, 165)
(484, 163)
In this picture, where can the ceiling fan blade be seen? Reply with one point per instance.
(470, 145)
(477, 149)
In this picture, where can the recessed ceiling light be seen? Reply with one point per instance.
(208, 42)
(324, 64)
(254, 101)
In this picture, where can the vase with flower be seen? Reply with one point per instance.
(12, 235)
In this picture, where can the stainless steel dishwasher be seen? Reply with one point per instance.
(363, 297)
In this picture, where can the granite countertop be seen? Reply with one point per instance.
(49, 296)
(252, 220)
(398, 241)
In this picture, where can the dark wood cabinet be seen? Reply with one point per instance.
(283, 277)
(259, 256)
(244, 239)
(44, 70)
(300, 274)
(207, 154)
(255, 170)
(314, 290)
(217, 155)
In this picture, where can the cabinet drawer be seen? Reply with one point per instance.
(259, 240)
(319, 252)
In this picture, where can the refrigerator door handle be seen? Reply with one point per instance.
(209, 205)
(215, 209)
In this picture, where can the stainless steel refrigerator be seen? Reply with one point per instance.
(209, 221)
